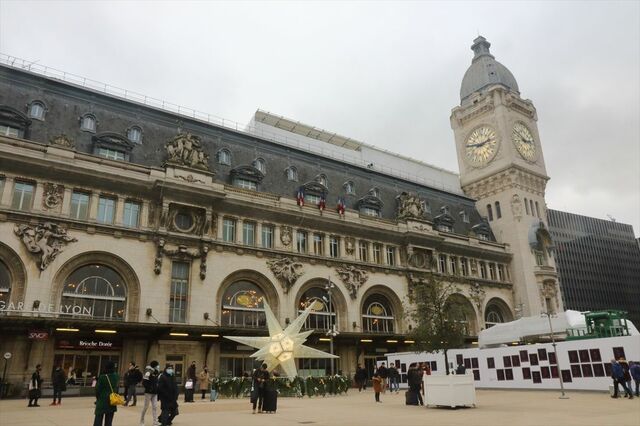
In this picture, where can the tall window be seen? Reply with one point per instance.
(501, 276)
(106, 210)
(537, 209)
(179, 292)
(391, 256)
(465, 216)
(334, 246)
(131, 214)
(531, 208)
(489, 212)
(323, 314)
(5, 285)
(378, 315)
(243, 305)
(363, 248)
(79, 205)
(248, 233)
(377, 253)
(135, 134)
(95, 291)
(322, 180)
(229, 230)
(526, 205)
(224, 157)
(492, 316)
(36, 110)
(22, 196)
(453, 265)
(292, 174)
(483, 270)
(492, 271)
(267, 236)
(318, 244)
(349, 188)
(261, 165)
(301, 241)
(442, 263)
(498, 211)
(245, 184)
(464, 267)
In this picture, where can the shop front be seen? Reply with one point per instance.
(83, 358)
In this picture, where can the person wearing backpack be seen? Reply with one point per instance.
(106, 384)
(150, 383)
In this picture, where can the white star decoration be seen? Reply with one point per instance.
(283, 346)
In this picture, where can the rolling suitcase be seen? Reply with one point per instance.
(270, 401)
(411, 397)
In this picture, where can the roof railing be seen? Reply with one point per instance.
(118, 92)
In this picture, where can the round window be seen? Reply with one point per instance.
(183, 221)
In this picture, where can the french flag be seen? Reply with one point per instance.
(322, 204)
(341, 206)
(300, 196)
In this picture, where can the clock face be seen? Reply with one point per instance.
(524, 141)
(481, 146)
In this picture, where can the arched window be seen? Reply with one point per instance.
(493, 316)
(96, 291)
(37, 110)
(375, 192)
(261, 165)
(498, 211)
(377, 315)
(489, 212)
(5, 285)
(134, 134)
(526, 205)
(537, 209)
(224, 157)
(322, 180)
(243, 305)
(88, 123)
(349, 188)
(292, 174)
(323, 315)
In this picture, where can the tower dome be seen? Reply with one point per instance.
(485, 71)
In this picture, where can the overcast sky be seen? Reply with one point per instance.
(387, 74)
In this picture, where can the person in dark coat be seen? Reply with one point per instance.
(626, 377)
(383, 372)
(150, 382)
(133, 377)
(361, 378)
(634, 370)
(461, 369)
(260, 378)
(414, 380)
(394, 378)
(168, 395)
(107, 382)
(617, 374)
(35, 387)
(191, 375)
(59, 383)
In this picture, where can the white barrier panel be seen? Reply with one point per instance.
(583, 364)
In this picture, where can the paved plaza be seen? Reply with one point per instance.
(495, 407)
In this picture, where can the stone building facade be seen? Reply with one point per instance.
(130, 232)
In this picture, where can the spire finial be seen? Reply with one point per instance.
(480, 47)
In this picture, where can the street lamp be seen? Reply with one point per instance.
(553, 343)
(331, 332)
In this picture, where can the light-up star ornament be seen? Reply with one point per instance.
(283, 346)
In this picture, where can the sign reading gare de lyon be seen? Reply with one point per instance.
(66, 309)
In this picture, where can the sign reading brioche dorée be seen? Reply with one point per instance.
(88, 344)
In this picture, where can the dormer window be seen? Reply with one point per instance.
(13, 122)
(349, 188)
(375, 192)
(465, 216)
(261, 165)
(135, 134)
(37, 110)
(112, 146)
(370, 205)
(370, 211)
(224, 157)
(426, 207)
(322, 180)
(292, 174)
(246, 177)
(88, 123)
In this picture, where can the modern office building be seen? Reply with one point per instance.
(134, 229)
(598, 263)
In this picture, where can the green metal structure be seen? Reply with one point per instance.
(609, 323)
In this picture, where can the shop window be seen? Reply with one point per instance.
(179, 292)
(243, 305)
(378, 315)
(94, 291)
(22, 196)
(323, 314)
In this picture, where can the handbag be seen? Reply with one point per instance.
(188, 384)
(115, 399)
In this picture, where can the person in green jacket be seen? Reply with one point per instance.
(107, 381)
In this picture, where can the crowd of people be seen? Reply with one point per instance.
(622, 372)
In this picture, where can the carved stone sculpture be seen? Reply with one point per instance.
(52, 197)
(477, 295)
(63, 140)
(285, 236)
(180, 252)
(353, 278)
(516, 206)
(286, 271)
(44, 241)
(409, 207)
(349, 245)
(549, 290)
(186, 150)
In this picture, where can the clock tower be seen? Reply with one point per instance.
(502, 168)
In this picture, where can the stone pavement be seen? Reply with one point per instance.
(494, 408)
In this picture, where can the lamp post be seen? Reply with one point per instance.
(332, 331)
(553, 343)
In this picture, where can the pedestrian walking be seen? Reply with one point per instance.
(59, 383)
(35, 387)
(617, 373)
(394, 379)
(626, 376)
(378, 385)
(204, 381)
(132, 378)
(190, 383)
(168, 395)
(106, 384)
(383, 372)
(260, 378)
(414, 380)
(635, 375)
(150, 383)
(361, 378)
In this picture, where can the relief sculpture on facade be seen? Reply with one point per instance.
(549, 290)
(409, 207)
(45, 240)
(516, 207)
(186, 150)
(180, 252)
(52, 197)
(353, 278)
(477, 295)
(286, 271)
(285, 236)
(63, 141)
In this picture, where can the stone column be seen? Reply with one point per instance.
(37, 197)
(66, 202)
(325, 245)
(258, 238)
(5, 197)
(144, 214)
(239, 231)
(118, 218)
(219, 227)
(93, 206)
